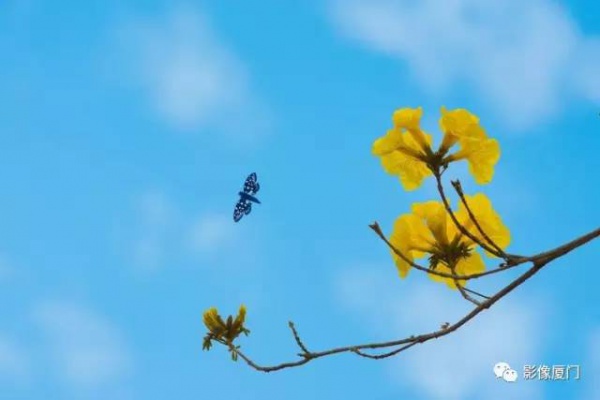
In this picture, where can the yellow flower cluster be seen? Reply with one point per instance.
(406, 151)
(223, 331)
(429, 230)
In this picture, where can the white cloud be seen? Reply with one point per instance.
(458, 366)
(156, 219)
(522, 57)
(588, 77)
(89, 351)
(166, 233)
(211, 232)
(14, 361)
(194, 80)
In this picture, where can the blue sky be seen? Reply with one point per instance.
(128, 127)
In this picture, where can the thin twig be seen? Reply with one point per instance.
(464, 293)
(384, 355)
(461, 289)
(458, 225)
(459, 191)
(298, 340)
(476, 293)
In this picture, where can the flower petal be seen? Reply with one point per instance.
(386, 144)
(408, 118)
(473, 264)
(411, 172)
(483, 156)
(410, 236)
(435, 216)
(488, 219)
(459, 124)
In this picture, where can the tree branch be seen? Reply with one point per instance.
(476, 293)
(551, 255)
(298, 340)
(539, 261)
(466, 295)
(385, 355)
(407, 341)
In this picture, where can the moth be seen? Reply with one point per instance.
(247, 197)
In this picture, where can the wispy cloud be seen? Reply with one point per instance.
(459, 365)
(524, 59)
(211, 232)
(156, 217)
(88, 350)
(164, 233)
(15, 363)
(194, 80)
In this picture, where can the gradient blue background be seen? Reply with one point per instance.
(80, 144)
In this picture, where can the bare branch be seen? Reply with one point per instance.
(466, 295)
(268, 369)
(410, 340)
(461, 289)
(476, 293)
(539, 261)
(551, 255)
(298, 340)
(384, 355)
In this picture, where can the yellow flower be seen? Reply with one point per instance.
(411, 171)
(430, 231)
(458, 125)
(405, 150)
(391, 142)
(434, 215)
(412, 238)
(213, 322)
(238, 324)
(402, 151)
(482, 153)
(487, 218)
(410, 119)
(229, 330)
(473, 264)
(482, 156)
